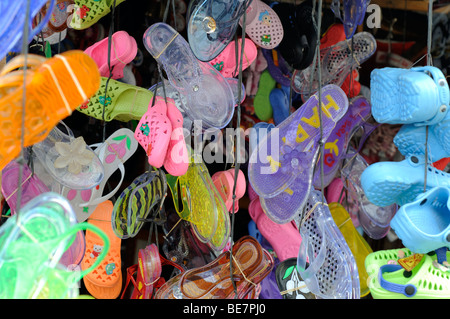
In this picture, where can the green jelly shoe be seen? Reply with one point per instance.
(261, 103)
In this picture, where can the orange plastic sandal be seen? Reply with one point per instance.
(105, 281)
(54, 88)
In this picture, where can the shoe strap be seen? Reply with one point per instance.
(408, 290)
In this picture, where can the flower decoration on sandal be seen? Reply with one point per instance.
(73, 155)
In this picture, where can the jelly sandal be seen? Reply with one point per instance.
(69, 160)
(53, 89)
(325, 262)
(282, 179)
(279, 100)
(387, 183)
(224, 182)
(88, 12)
(352, 16)
(123, 51)
(290, 282)
(105, 280)
(123, 102)
(113, 153)
(261, 102)
(211, 26)
(263, 25)
(208, 95)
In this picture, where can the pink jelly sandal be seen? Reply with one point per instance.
(263, 25)
(153, 132)
(177, 160)
(123, 51)
(224, 182)
(226, 63)
(284, 238)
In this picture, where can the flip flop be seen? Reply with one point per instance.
(374, 220)
(124, 102)
(149, 272)
(212, 25)
(278, 67)
(337, 62)
(290, 282)
(352, 16)
(387, 183)
(113, 153)
(423, 225)
(31, 184)
(123, 51)
(284, 239)
(226, 63)
(44, 110)
(69, 160)
(279, 100)
(325, 262)
(88, 12)
(300, 36)
(131, 209)
(338, 142)
(153, 132)
(261, 102)
(357, 244)
(104, 281)
(263, 25)
(224, 182)
(283, 178)
(208, 95)
(409, 96)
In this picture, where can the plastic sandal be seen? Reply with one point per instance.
(411, 140)
(353, 14)
(390, 280)
(337, 62)
(278, 67)
(338, 142)
(258, 133)
(357, 244)
(284, 239)
(123, 102)
(15, 18)
(325, 262)
(375, 220)
(279, 100)
(251, 264)
(407, 96)
(56, 29)
(123, 51)
(263, 25)
(47, 228)
(208, 95)
(335, 193)
(423, 225)
(153, 132)
(31, 185)
(131, 209)
(268, 286)
(290, 282)
(88, 12)
(69, 160)
(47, 100)
(300, 35)
(296, 140)
(176, 162)
(211, 26)
(261, 102)
(387, 183)
(104, 281)
(224, 182)
(113, 153)
(226, 63)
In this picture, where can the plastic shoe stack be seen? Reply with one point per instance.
(417, 98)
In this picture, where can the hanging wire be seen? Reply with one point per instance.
(22, 124)
(111, 31)
(237, 148)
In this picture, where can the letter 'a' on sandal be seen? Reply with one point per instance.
(54, 88)
(209, 97)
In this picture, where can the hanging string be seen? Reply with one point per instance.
(237, 148)
(22, 124)
(111, 31)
